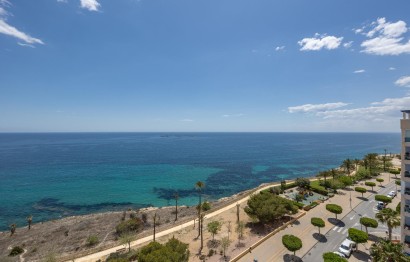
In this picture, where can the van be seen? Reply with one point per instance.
(346, 248)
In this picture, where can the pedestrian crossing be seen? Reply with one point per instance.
(341, 230)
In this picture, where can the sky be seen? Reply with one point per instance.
(204, 66)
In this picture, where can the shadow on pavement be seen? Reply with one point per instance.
(373, 238)
(336, 222)
(290, 258)
(361, 255)
(319, 237)
(362, 198)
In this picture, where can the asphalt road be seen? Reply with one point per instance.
(333, 238)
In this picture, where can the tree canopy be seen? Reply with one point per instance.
(292, 243)
(383, 198)
(386, 251)
(172, 251)
(335, 209)
(368, 222)
(358, 236)
(317, 222)
(332, 257)
(267, 207)
(361, 190)
(214, 227)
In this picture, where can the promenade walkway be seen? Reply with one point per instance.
(273, 249)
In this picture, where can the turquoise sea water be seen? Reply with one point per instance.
(51, 175)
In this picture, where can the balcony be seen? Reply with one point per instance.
(406, 226)
(407, 209)
(407, 191)
(406, 174)
(407, 155)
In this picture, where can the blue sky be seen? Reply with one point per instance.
(172, 65)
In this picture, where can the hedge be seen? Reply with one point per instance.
(383, 198)
(319, 190)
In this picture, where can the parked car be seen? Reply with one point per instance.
(381, 205)
(346, 248)
(392, 194)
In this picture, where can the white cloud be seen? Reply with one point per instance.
(307, 108)
(377, 111)
(319, 42)
(348, 44)
(233, 115)
(25, 45)
(14, 32)
(359, 71)
(392, 68)
(90, 5)
(186, 120)
(280, 48)
(403, 81)
(386, 38)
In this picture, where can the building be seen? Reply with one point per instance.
(405, 180)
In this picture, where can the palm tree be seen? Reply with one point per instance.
(347, 165)
(386, 251)
(199, 186)
(155, 219)
(356, 163)
(176, 196)
(29, 221)
(390, 217)
(333, 172)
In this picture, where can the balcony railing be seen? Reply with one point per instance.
(406, 173)
(407, 209)
(407, 191)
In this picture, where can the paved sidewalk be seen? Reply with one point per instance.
(273, 249)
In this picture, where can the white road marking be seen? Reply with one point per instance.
(352, 217)
(344, 231)
(340, 229)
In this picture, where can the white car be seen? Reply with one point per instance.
(346, 248)
(392, 194)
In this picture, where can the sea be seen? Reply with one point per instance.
(53, 175)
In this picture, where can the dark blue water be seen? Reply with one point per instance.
(52, 175)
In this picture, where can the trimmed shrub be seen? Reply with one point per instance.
(335, 209)
(380, 180)
(319, 189)
(398, 182)
(16, 251)
(292, 243)
(317, 222)
(383, 198)
(298, 204)
(369, 222)
(361, 190)
(370, 184)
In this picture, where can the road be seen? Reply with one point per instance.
(334, 237)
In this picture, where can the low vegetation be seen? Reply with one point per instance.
(332, 257)
(173, 250)
(130, 225)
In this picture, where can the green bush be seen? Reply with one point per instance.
(173, 250)
(92, 240)
(398, 207)
(383, 198)
(380, 180)
(298, 204)
(290, 185)
(206, 206)
(319, 189)
(398, 182)
(16, 251)
(345, 180)
(130, 225)
(332, 257)
(267, 207)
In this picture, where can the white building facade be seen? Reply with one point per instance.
(405, 180)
